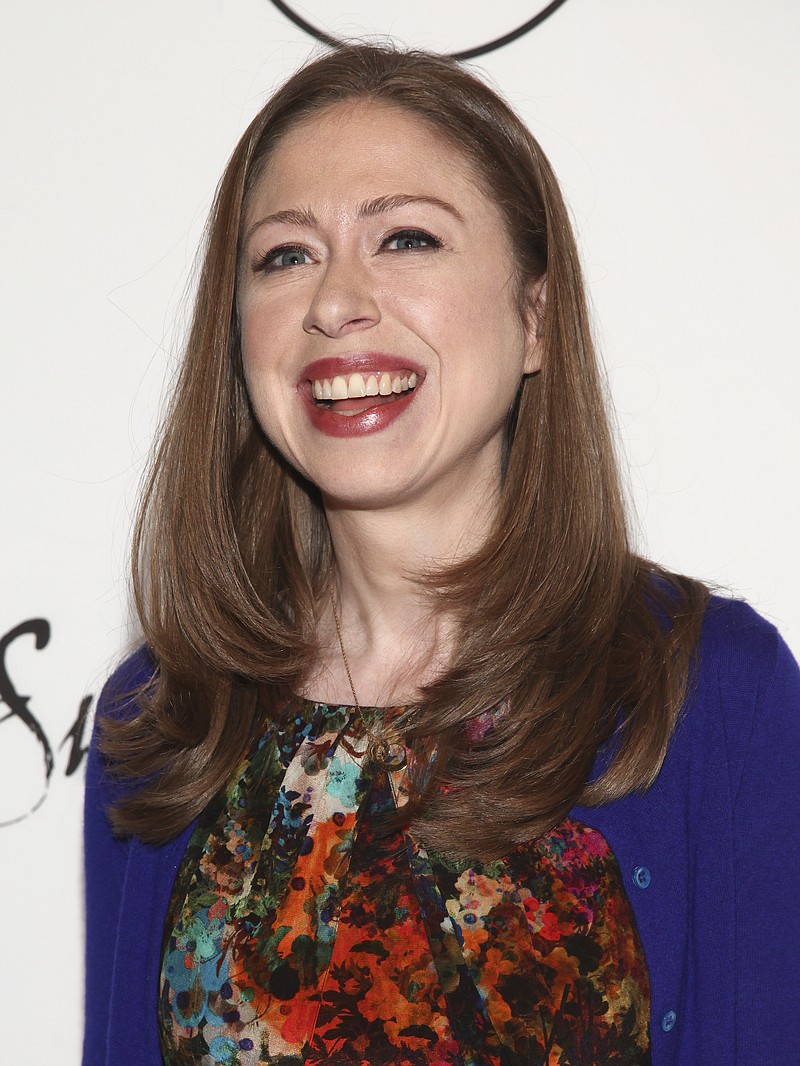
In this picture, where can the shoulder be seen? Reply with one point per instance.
(745, 689)
(734, 627)
(740, 651)
(120, 696)
(119, 701)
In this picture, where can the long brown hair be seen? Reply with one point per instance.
(584, 643)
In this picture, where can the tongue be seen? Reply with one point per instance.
(357, 405)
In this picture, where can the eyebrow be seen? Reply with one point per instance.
(371, 208)
(303, 216)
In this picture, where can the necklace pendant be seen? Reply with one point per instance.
(379, 753)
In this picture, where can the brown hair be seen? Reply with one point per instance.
(586, 642)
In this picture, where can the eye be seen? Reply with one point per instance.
(410, 240)
(283, 258)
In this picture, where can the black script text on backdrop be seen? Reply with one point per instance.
(18, 707)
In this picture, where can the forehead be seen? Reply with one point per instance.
(357, 149)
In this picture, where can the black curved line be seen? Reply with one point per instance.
(306, 26)
(469, 53)
(21, 817)
(39, 629)
(481, 50)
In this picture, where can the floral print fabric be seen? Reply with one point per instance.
(298, 933)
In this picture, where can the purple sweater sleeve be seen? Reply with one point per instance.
(105, 864)
(767, 871)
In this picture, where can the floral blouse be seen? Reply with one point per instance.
(297, 934)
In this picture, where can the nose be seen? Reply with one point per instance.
(344, 301)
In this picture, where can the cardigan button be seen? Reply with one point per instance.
(668, 1020)
(641, 877)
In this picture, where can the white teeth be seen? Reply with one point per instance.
(385, 385)
(353, 386)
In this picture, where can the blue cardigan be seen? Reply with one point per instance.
(709, 853)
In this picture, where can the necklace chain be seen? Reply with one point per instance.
(378, 747)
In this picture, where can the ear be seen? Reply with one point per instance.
(534, 323)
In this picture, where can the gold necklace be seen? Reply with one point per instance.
(378, 750)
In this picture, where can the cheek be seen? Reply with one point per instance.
(482, 297)
(264, 341)
(268, 319)
(483, 322)
(450, 310)
(259, 365)
(250, 330)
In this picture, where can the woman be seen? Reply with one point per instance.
(420, 762)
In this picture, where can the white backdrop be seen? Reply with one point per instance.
(672, 128)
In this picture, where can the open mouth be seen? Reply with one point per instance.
(352, 394)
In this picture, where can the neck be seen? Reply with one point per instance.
(394, 640)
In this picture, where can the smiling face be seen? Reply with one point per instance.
(381, 336)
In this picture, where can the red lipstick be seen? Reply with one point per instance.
(373, 418)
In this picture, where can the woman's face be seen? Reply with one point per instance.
(381, 337)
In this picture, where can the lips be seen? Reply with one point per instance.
(359, 394)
